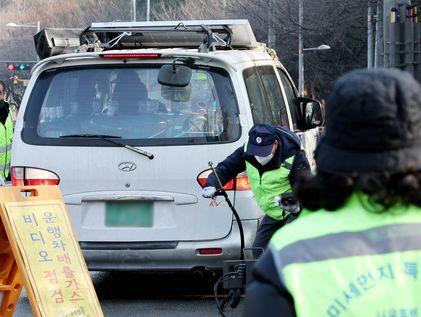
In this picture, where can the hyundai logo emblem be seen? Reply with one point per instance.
(127, 166)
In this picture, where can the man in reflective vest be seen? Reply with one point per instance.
(273, 158)
(6, 134)
(355, 250)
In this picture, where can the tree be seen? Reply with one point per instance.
(18, 44)
(340, 24)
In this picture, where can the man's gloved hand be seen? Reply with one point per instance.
(277, 200)
(288, 204)
(208, 192)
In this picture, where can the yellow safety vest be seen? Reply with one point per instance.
(352, 262)
(269, 185)
(6, 137)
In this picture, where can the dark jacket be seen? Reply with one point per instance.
(266, 291)
(235, 163)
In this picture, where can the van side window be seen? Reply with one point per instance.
(275, 97)
(265, 95)
(291, 99)
(258, 103)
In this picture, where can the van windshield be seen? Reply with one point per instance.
(130, 103)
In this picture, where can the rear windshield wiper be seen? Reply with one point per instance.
(109, 139)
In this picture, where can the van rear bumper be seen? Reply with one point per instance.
(166, 256)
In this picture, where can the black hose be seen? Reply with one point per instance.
(222, 191)
(233, 295)
(237, 218)
(215, 292)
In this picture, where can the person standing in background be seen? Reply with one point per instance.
(6, 134)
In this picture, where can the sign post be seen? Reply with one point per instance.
(45, 254)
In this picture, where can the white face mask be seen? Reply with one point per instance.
(263, 160)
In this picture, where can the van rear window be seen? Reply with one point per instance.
(130, 104)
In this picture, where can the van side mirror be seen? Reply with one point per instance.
(312, 113)
(175, 75)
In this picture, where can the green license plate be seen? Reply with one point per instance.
(128, 214)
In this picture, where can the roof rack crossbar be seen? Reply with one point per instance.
(161, 34)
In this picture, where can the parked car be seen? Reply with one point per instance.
(124, 117)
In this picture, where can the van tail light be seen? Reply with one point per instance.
(132, 55)
(30, 176)
(241, 182)
(209, 251)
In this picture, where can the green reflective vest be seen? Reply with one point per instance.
(352, 262)
(270, 184)
(6, 136)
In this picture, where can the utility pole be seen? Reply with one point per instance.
(148, 10)
(133, 10)
(300, 49)
(378, 42)
(271, 34)
(370, 36)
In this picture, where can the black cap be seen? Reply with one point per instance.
(373, 123)
(261, 139)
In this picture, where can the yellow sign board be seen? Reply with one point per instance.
(47, 252)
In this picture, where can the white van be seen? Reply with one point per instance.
(124, 117)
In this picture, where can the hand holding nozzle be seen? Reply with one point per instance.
(288, 204)
(209, 192)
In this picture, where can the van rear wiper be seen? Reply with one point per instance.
(109, 139)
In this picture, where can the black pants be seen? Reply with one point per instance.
(268, 226)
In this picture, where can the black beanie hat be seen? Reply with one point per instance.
(373, 124)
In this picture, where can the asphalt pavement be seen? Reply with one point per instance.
(154, 295)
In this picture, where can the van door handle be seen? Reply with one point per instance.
(177, 198)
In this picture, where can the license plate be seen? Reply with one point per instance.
(128, 214)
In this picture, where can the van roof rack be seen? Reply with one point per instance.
(205, 35)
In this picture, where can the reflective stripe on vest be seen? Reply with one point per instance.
(7, 148)
(271, 184)
(351, 262)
